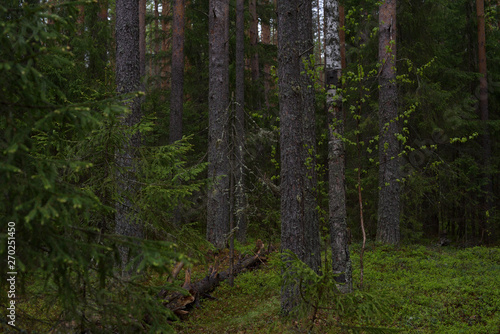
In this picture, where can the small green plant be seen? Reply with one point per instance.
(319, 292)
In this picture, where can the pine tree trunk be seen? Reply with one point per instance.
(311, 217)
(254, 37)
(177, 81)
(341, 261)
(218, 101)
(291, 135)
(127, 80)
(156, 41)
(266, 40)
(142, 37)
(165, 6)
(389, 169)
(483, 113)
(239, 144)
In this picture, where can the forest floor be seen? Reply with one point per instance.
(426, 290)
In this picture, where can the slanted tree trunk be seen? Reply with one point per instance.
(177, 82)
(389, 148)
(341, 261)
(127, 81)
(311, 217)
(218, 102)
(239, 143)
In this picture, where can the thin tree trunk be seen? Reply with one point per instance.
(218, 101)
(156, 41)
(483, 111)
(311, 217)
(164, 45)
(291, 145)
(177, 81)
(142, 37)
(127, 80)
(341, 261)
(239, 145)
(266, 40)
(254, 38)
(389, 173)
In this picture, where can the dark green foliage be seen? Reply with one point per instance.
(319, 292)
(58, 185)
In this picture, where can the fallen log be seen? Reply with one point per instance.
(178, 302)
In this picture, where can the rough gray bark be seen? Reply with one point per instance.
(177, 81)
(239, 144)
(484, 115)
(311, 217)
(389, 148)
(341, 261)
(218, 101)
(142, 37)
(291, 142)
(127, 81)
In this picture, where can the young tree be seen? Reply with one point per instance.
(177, 81)
(341, 261)
(311, 217)
(239, 144)
(127, 81)
(389, 168)
(218, 102)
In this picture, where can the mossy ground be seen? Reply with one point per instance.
(428, 290)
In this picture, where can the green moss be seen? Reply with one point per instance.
(441, 290)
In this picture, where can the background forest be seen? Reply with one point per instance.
(142, 138)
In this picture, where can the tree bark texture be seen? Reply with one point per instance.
(127, 81)
(165, 26)
(177, 79)
(239, 144)
(483, 110)
(341, 261)
(291, 141)
(142, 37)
(156, 39)
(266, 40)
(254, 39)
(311, 217)
(389, 148)
(218, 101)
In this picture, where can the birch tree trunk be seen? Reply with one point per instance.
(389, 148)
(127, 81)
(218, 102)
(341, 261)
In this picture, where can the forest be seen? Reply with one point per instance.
(249, 166)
